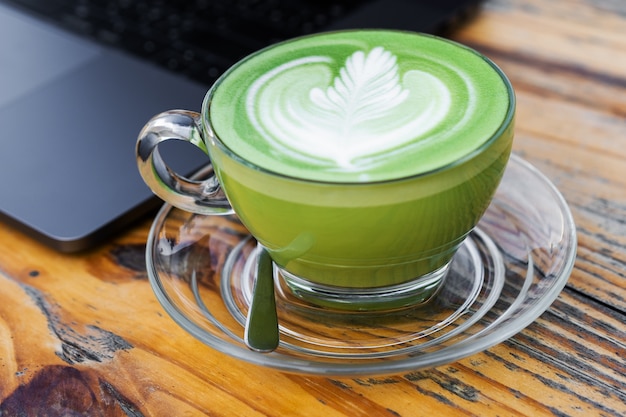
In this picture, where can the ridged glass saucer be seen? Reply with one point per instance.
(508, 272)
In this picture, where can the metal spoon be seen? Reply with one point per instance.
(261, 332)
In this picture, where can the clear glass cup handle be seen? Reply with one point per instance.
(197, 196)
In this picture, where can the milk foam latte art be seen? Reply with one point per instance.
(364, 113)
(367, 108)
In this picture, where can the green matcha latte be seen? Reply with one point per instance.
(359, 106)
(360, 159)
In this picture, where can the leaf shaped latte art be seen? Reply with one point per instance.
(367, 87)
(348, 121)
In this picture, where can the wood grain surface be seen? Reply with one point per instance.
(83, 334)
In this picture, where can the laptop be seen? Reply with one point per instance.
(78, 80)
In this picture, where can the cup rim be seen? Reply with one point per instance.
(507, 121)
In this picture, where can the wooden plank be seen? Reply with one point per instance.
(106, 335)
(562, 32)
(570, 80)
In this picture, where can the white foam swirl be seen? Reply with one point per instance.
(366, 110)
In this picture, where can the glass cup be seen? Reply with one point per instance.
(367, 245)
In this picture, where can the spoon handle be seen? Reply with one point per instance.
(261, 332)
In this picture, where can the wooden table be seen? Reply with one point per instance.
(85, 332)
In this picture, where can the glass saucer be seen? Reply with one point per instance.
(508, 272)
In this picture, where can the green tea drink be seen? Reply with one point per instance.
(361, 159)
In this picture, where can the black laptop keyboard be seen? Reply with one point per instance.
(200, 38)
